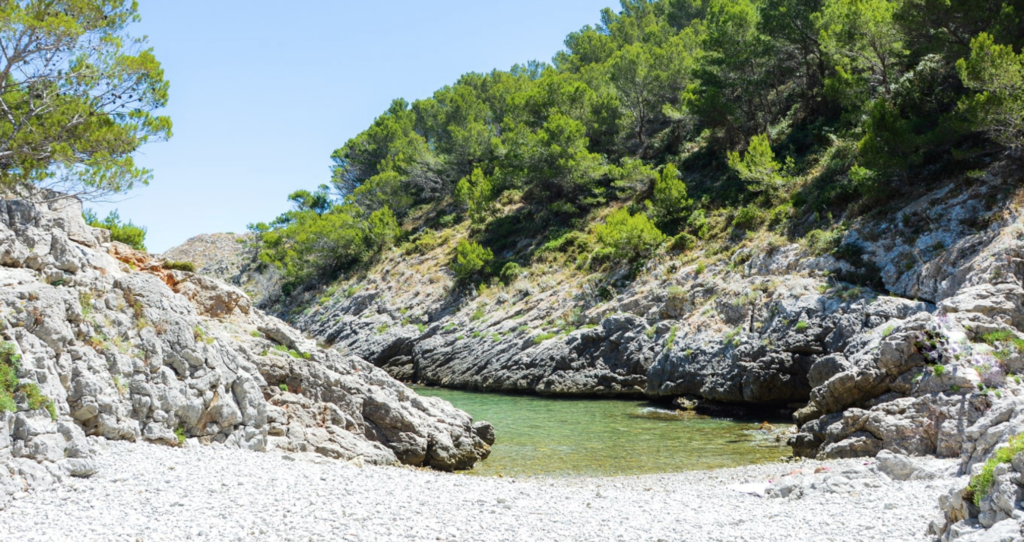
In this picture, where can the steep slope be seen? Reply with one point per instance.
(926, 368)
(229, 257)
(107, 344)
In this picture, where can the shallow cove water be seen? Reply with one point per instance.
(607, 437)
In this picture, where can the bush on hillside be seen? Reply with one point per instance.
(824, 242)
(180, 266)
(475, 194)
(122, 232)
(510, 272)
(749, 218)
(757, 166)
(697, 224)
(310, 247)
(799, 92)
(996, 75)
(683, 242)
(571, 243)
(670, 204)
(631, 237)
(470, 260)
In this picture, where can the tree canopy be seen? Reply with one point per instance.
(77, 96)
(679, 107)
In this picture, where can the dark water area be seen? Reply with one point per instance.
(541, 436)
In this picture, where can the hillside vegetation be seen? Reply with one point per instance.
(670, 125)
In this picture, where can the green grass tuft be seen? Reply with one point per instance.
(543, 337)
(982, 483)
(180, 266)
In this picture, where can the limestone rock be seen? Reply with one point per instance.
(146, 353)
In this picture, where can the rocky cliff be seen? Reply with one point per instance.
(766, 324)
(916, 365)
(105, 343)
(231, 258)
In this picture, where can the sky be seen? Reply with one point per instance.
(262, 92)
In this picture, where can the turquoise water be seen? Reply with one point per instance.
(602, 437)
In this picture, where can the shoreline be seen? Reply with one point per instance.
(154, 493)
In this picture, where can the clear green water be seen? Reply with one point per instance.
(602, 437)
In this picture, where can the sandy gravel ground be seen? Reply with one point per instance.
(154, 493)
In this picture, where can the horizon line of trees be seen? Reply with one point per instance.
(758, 89)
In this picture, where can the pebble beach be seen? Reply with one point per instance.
(149, 493)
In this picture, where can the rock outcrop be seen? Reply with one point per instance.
(768, 325)
(905, 367)
(108, 344)
(231, 258)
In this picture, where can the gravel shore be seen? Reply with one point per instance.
(153, 493)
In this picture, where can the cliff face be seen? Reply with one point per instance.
(918, 368)
(107, 344)
(769, 325)
(230, 258)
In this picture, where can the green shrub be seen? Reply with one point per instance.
(821, 242)
(602, 256)
(889, 145)
(631, 237)
(938, 370)
(200, 335)
(683, 242)
(510, 272)
(802, 326)
(676, 292)
(34, 396)
(10, 364)
(310, 245)
(1003, 336)
(669, 203)
(757, 166)
(447, 221)
(470, 259)
(982, 483)
(995, 74)
(631, 177)
(478, 314)
(424, 241)
(572, 242)
(780, 215)
(475, 194)
(127, 233)
(180, 266)
(734, 337)
(285, 350)
(543, 337)
(867, 181)
(748, 218)
(697, 224)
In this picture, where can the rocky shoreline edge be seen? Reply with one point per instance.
(155, 493)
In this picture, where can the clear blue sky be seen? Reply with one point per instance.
(262, 92)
